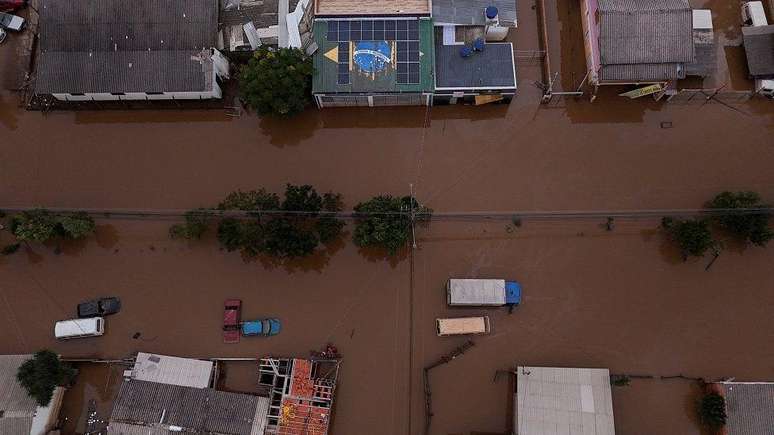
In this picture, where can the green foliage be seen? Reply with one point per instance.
(753, 228)
(42, 374)
(10, 249)
(41, 225)
(76, 225)
(196, 224)
(230, 233)
(385, 222)
(620, 380)
(285, 235)
(693, 235)
(251, 200)
(277, 82)
(34, 225)
(712, 410)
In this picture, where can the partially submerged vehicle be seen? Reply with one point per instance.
(232, 313)
(3, 34)
(462, 326)
(11, 22)
(79, 328)
(99, 307)
(482, 292)
(263, 327)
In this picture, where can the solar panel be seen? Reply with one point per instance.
(404, 32)
(343, 72)
(373, 30)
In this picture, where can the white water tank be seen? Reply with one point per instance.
(493, 30)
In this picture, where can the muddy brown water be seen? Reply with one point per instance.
(592, 298)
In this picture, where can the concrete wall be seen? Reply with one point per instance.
(591, 38)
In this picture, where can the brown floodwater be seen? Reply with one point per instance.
(592, 298)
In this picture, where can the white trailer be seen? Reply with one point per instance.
(482, 292)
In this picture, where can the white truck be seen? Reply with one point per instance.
(753, 15)
(482, 292)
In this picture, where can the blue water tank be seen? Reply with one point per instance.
(465, 51)
(478, 44)
(491, 12)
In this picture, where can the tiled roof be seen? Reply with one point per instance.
(119, 46)
(471, 12)
(759, 46)
(645, 33)
(750, 408)
(16, 405)
(491, 68)
(194, 409)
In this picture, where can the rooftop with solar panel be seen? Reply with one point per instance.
(388, 53)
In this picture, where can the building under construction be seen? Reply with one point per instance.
(301, 394)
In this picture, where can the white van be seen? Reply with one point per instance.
(753, 14)
(462, 326)
(79, 328)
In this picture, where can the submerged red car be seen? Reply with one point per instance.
(11, 5)
(232, 313)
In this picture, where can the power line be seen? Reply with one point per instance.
(119, 213)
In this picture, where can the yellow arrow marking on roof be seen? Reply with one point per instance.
(333, 54)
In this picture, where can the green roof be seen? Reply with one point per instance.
(370, 66)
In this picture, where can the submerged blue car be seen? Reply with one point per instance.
(264, 327)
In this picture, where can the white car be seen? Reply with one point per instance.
(11, 22)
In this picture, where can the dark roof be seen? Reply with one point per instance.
(759, 47)
(750, 408)
(124, 46)
(471, 12)
(194, 409)
(645, 39)
(491, 68)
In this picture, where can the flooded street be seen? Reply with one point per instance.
(619, 299)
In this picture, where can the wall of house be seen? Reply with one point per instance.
(590, 24)
(468, 97)
(216, 92)
(374, 100)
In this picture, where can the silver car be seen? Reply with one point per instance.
(11, 22)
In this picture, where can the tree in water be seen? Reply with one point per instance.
(749, 227)
(693, 236)
(385, 222)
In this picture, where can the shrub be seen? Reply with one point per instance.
(196, 224)
(752, 228)
(251, 200)
(42, 374)
(277, 82)
(712, 410)
(41, 225)
(10, 249)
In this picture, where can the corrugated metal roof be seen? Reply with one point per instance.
(117, 46)
(750, 408)
(759, 47)
(17, 406)
(645, 32)
(116, 428)
(570, 401)
(491, 68)
(471, 12)
(194, 409)
(186, 372)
